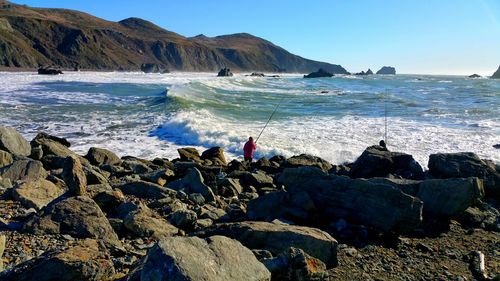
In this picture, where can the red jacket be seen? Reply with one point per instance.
(249, 148)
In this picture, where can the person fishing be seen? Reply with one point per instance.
(248, 149)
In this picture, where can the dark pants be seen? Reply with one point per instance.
(248, 159)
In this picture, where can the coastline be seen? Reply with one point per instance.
(139, 202)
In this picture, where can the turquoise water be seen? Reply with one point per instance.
(335, 118)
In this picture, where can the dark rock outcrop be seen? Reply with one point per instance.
(496, 75)
(377, 161)
(464, 165)
(225, 72)
(474, 76)
(387, 70)
(49, 71)
(153, 68)
(318, 74)
(216, 258)
(368, 72)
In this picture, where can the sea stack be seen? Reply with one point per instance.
(387, 70)
(318, 74)
(225, 72)
(474, 76)
(368, 72)
(496, 75)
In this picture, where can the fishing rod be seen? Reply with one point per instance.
(270, 117)
(385, 118)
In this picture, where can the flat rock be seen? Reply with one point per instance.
(78, 216)
(277, 238)
(464, 165)
(216, 258)
(307, 160)
(36, 193)
(356, 200)
(12, 142)
(85, 261)
(145, 189)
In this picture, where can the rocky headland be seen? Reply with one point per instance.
(496, 75)
(387, 70)
(97, 216)
(31, 37)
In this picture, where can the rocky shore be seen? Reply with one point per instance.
(65, 216)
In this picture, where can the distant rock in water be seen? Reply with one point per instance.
(258, 74)
(225, 72)
(368, 72)
(320, 73)
(496, 75)
(49, 71)
(387, 70)
(153, 68)
(475, 76)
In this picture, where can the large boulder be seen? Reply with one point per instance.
(189, 154)
(12, 142)
(496, 75)
(74, 176)
(215, 154)
(36, 193)
(387, 70)
(355, 200)
(193, 183)
(85, 261)
(447, 198)
(147, 190)
(464, 165)
(100, 156)
(144, 223)
(216, 258)
(23, 170)
(47, 70)
(377, 161)
(307, 160)
(78, 216)
(225, 72)
(258, 179)
(277, 238)
(318, 74)
(5, 158)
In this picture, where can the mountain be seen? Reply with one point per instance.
(30, 37)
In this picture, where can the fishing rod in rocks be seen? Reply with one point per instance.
(270, 117)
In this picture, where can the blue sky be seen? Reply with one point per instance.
(415, 36)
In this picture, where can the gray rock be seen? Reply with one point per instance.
(184, 219)
(447, 198)
(12, 142)
(225, 72)
(77, 216)
(100, 156)
(193, 183)
(307, 160)
(277, 238)
(23, 170)
(355, 200)
(5, 158)
(159, 177)
(210, 212)
(36, 193)
(214, 259)
(145, 223)
(95, 175)
(52, 145)
(464, 165)
(74, 176)
(85, 261)
(189, 154)
(229, 187)
(145, 189)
